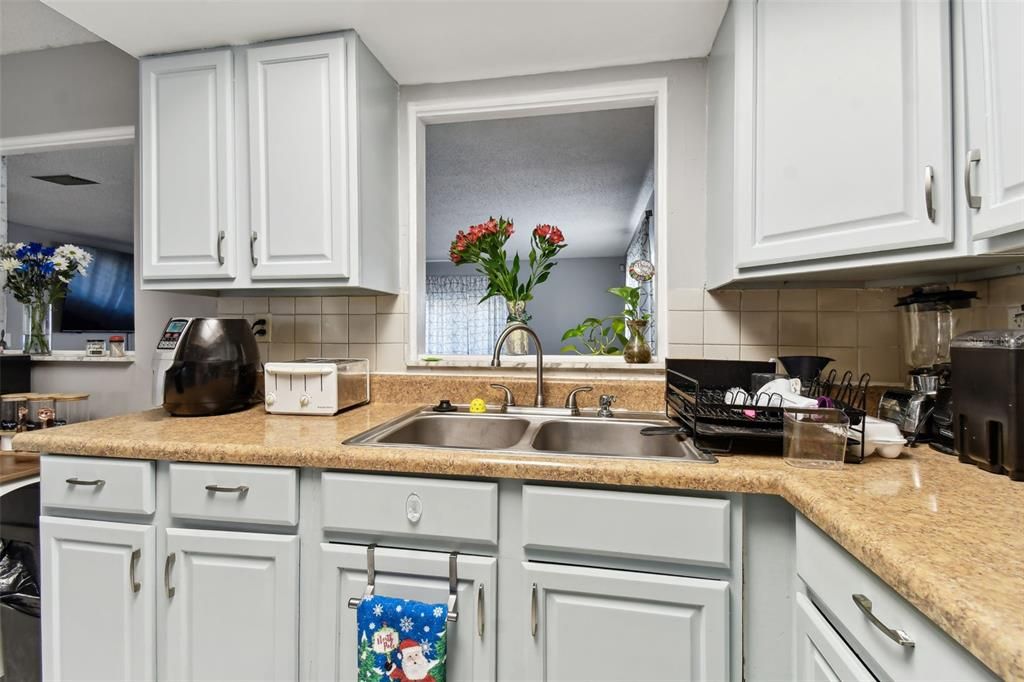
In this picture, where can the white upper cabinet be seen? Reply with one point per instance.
(309, 127)
(298, 160)
(188, 166)
(993, 100)
(852, 146)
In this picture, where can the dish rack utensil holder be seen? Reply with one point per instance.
(717, 416)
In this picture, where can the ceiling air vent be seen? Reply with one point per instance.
(65, 179)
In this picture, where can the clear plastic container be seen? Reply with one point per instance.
(814, 438)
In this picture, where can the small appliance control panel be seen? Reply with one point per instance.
(172, 333)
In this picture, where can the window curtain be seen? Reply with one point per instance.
(456, 322)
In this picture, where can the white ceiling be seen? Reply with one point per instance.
(103, 210)
(588, 173)
(424, 41)
(27, 25)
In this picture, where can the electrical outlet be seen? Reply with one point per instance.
(1015, 314)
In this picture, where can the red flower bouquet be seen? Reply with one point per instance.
(484, 246)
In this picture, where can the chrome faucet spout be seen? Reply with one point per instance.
(496, 357)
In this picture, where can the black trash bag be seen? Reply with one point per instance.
(19, 571)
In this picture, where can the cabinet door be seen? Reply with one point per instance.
(994, 104)
(852, 130)
(298, 159)
(595, 625)
(406, 574)
(821, 654)
(188, 180)
(233, 613)
(98, 606)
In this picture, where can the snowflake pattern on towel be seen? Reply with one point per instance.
(401, 640)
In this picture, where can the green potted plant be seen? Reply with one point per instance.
(607, 335)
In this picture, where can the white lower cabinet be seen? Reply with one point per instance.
(406, 574)
(232, 606)
(595, 625)
(821, 654)
(99, 601)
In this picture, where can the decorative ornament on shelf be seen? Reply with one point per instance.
(37, 277)
(484, 246)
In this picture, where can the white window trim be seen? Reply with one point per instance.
(598, 97)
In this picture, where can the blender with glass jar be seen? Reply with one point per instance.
(929, 319)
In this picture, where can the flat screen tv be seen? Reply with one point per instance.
(104, 301)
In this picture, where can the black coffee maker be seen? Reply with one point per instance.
(216, 369)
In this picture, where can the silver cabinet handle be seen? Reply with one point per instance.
(895, 634)
(533, 610)
(252, 247)
(929, 192)
(240, 489)
(480, 610)
(78, 481)
(220, 244)
(168, 565)
(132, 563)
(973, 158)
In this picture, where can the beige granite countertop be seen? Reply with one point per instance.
(945, 535)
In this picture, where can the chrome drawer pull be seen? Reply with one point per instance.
(168, 565)
(973, 158)
(252, 248)
(533, 610)
(895, 634)
(135, 585)
(480, 610)
(240, 489)
(929, 193)
(220, 251)
(78, 481)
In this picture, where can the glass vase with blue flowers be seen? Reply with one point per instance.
(38, 276)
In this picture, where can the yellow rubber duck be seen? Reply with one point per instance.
(477, 405)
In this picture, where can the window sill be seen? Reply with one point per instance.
(604, 363)
(78, 356)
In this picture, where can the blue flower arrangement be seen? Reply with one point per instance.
(37, 276)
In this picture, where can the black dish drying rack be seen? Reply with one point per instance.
(718, 420)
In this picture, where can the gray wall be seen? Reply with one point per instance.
(67, 88)
(577, 288)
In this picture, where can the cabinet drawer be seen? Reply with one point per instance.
(234, 494)
(691, 530)
(406, 506)
(97, 484)
(833, 577)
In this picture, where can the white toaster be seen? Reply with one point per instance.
(318, 386)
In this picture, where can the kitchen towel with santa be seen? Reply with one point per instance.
(401, 639)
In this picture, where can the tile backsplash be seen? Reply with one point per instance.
(857, 327)
(372, 327)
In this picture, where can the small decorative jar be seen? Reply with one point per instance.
(637, 350)
(41, 412)
(13, 412)
(96, 347)
(116, 346)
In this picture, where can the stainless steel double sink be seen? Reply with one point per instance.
(537, 431)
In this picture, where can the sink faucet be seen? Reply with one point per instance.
(496, 357)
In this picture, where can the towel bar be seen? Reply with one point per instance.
(371, 576)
